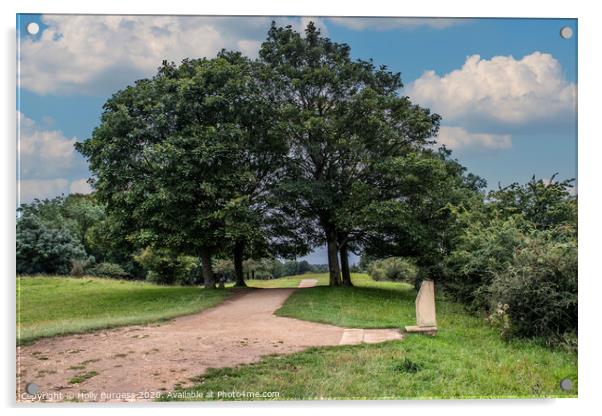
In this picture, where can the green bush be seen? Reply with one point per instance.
(166, 268)
(539, 288)
(111, 270)
(393, 268)
(483, 250)
(42, 249)
(526, 278)
(517, 259)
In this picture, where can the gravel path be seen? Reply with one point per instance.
(138, 362)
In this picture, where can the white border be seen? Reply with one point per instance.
(589, 179)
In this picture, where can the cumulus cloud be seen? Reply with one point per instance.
(502, 90)
(390, 23)
(80, 186)
(48, 163)
(458, 138)
(96, 54)
(29, 189)
(46, 153)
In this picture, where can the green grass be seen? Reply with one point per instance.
(467, 358)
(289, 281)
(50, 306)
(368, 304)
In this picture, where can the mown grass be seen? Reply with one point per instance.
(288, 281)
(369, 304)
(50, 306)
(467, 358)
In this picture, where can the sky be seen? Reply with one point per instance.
(506, 88)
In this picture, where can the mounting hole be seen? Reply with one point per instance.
(32, 388)
(566, 384)
(33, 28)
(566, 32)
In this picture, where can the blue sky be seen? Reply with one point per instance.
(506, 88)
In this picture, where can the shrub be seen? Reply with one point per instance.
(111, 270)
(524, 276)
(540, 288)
(42, 249)
(166, 268)
(393, 268)
(483, 250)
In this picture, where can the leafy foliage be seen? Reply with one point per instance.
(540, 288)
(43, 249)
(166, 267)
(106, 269)
(518, 254)
(340, 118)
(79, 221)
(393, 268)
(415, 217)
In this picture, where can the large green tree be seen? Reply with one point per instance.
(340, 117)
(167, 155)
(187, 160)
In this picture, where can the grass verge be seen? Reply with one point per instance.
(467, 358)
(50, 306)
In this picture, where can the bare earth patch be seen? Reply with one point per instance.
(138, 362)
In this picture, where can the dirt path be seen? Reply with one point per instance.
(138, 362)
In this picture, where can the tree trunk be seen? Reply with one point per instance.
(239, 247)
(208, 276)
(333, 258)
(346, 274)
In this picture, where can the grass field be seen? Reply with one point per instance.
(289, 281)
(467, 359)
(49, 306)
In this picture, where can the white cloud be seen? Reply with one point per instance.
(99, 54)
(45, 153)
(29, 189)
(80, 186)
(500, 90)
(457, 138)
(389, 23)
(48, 163)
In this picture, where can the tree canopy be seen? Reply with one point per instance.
(341, 119)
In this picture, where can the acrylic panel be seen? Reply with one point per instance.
(295, 208)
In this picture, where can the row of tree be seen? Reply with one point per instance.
(74, 235)
(301, 147)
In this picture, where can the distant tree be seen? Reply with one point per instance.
(224, 268)
(340, 117)
(303, 267)
(249, 268)
(393, 268)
